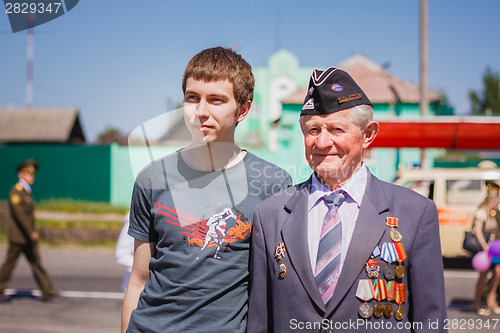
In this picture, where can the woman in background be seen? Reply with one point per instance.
(485, 222)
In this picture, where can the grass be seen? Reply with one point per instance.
(75, 232)
(80, 206)
(83, 233)
(84, 224)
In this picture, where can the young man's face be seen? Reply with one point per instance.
(210, 110)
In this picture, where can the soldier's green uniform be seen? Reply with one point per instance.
(21, 229)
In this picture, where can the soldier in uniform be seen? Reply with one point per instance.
(23, 236)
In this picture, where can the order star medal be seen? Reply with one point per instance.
(372, 268)
(280, 251)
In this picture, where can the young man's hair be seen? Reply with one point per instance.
(218, 64)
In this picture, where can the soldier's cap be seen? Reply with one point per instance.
(30, 166)
(330, 91)
(492, 185)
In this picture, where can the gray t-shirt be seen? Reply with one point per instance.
(201, 224)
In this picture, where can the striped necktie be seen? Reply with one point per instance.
(327, 269)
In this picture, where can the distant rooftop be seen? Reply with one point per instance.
(379, 85)
(58, 125)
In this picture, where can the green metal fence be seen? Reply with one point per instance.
(66, 171)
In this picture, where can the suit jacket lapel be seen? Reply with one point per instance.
(294, 233)
(368, 231)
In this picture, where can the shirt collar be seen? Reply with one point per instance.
(26, 186)
(355, 188)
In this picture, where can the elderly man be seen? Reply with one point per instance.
(344, 251)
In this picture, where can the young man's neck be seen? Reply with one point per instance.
(212, 156)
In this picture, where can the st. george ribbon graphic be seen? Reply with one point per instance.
(26, 14)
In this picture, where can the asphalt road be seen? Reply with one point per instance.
(90, 280)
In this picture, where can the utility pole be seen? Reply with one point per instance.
(424, 98)
(29, 68)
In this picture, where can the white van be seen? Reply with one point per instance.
(457, 193)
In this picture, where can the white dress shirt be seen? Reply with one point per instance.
(26, 186)
(349, 210)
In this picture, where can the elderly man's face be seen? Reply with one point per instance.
(335, 145)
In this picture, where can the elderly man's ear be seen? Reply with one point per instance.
(370, 133)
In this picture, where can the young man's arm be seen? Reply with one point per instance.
(138, 277)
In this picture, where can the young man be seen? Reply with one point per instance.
(23, 237)
(191, 211)
(344, 251)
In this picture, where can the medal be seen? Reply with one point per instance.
(372, 268)
(388, 310)
(280, 251)
(365, 293)
(392, 222)
(400, 271)
(376, 251)
(282, 271)
(378, 310)
(400, 250)
(392, 288)
(394, 234)
(365, 310)
(390, 272)
(399, 312)
(389, 253)
(380, 291)
(400, 298)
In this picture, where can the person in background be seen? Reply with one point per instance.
(124, 252)
(23, 236)
(485, 221)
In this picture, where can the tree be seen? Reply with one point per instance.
(487, 102)
(110, 135)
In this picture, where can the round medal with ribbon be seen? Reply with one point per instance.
(365, 293)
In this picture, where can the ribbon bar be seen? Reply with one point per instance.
(380, 289)
(392, 221)
(365, 290)
(400, 250)
(400, 294)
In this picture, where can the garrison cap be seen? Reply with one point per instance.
(330, 91)
(492, 185)
(30, 165)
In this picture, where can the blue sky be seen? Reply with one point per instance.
(121, 62)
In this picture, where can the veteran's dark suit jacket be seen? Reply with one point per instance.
(293, 303)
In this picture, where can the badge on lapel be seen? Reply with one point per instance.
(280, 251)
(282, 271)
